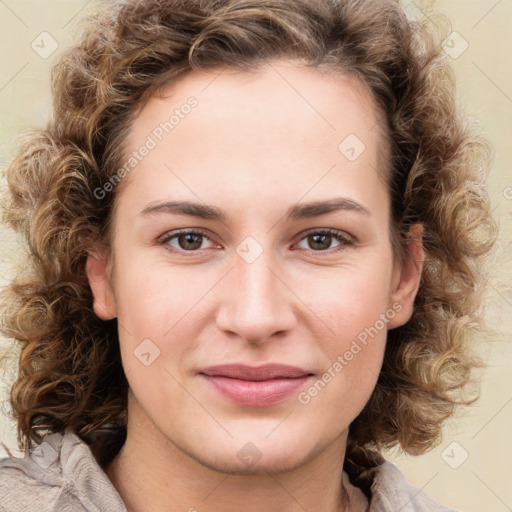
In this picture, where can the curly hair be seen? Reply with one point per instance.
(70, 372)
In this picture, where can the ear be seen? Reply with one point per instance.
(406, 280)
(99, 280)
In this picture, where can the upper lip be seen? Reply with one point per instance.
(264, 372)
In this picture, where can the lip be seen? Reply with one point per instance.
(255, 386)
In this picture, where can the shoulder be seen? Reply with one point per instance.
(60, 474)
(391, 491)
(34, 482)
(385, 485)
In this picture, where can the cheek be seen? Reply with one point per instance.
(352, 311)
(152, 298)
(353, 350)
(153, 319)
(349, 300)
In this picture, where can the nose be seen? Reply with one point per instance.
(257, 303)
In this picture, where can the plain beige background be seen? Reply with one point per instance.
(471, 469)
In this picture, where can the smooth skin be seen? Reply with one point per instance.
(255, 145)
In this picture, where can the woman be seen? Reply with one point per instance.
(255, 229)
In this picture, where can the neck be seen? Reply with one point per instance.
(151, 473)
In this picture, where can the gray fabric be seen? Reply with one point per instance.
(62, 475)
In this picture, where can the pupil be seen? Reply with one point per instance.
(316, 237)
(189, 238)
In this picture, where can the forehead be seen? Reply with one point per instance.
(279, 91)
(282, 123)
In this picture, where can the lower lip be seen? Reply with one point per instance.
(256, 393)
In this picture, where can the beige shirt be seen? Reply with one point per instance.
(62, 475)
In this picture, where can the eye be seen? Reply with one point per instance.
(321, 240)
(186, 240)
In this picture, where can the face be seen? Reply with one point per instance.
(254, 274)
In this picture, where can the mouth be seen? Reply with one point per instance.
(256, 386)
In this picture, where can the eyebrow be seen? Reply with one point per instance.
(295, 212)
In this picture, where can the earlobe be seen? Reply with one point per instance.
(99, 281)
(406, 281)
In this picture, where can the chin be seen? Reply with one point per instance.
(272, 463)
(257, 457)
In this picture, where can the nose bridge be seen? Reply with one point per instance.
(257, 303)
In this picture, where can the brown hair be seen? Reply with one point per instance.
(70, 372)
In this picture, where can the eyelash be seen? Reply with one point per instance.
(338, 235)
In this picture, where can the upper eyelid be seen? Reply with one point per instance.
(175, 232)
